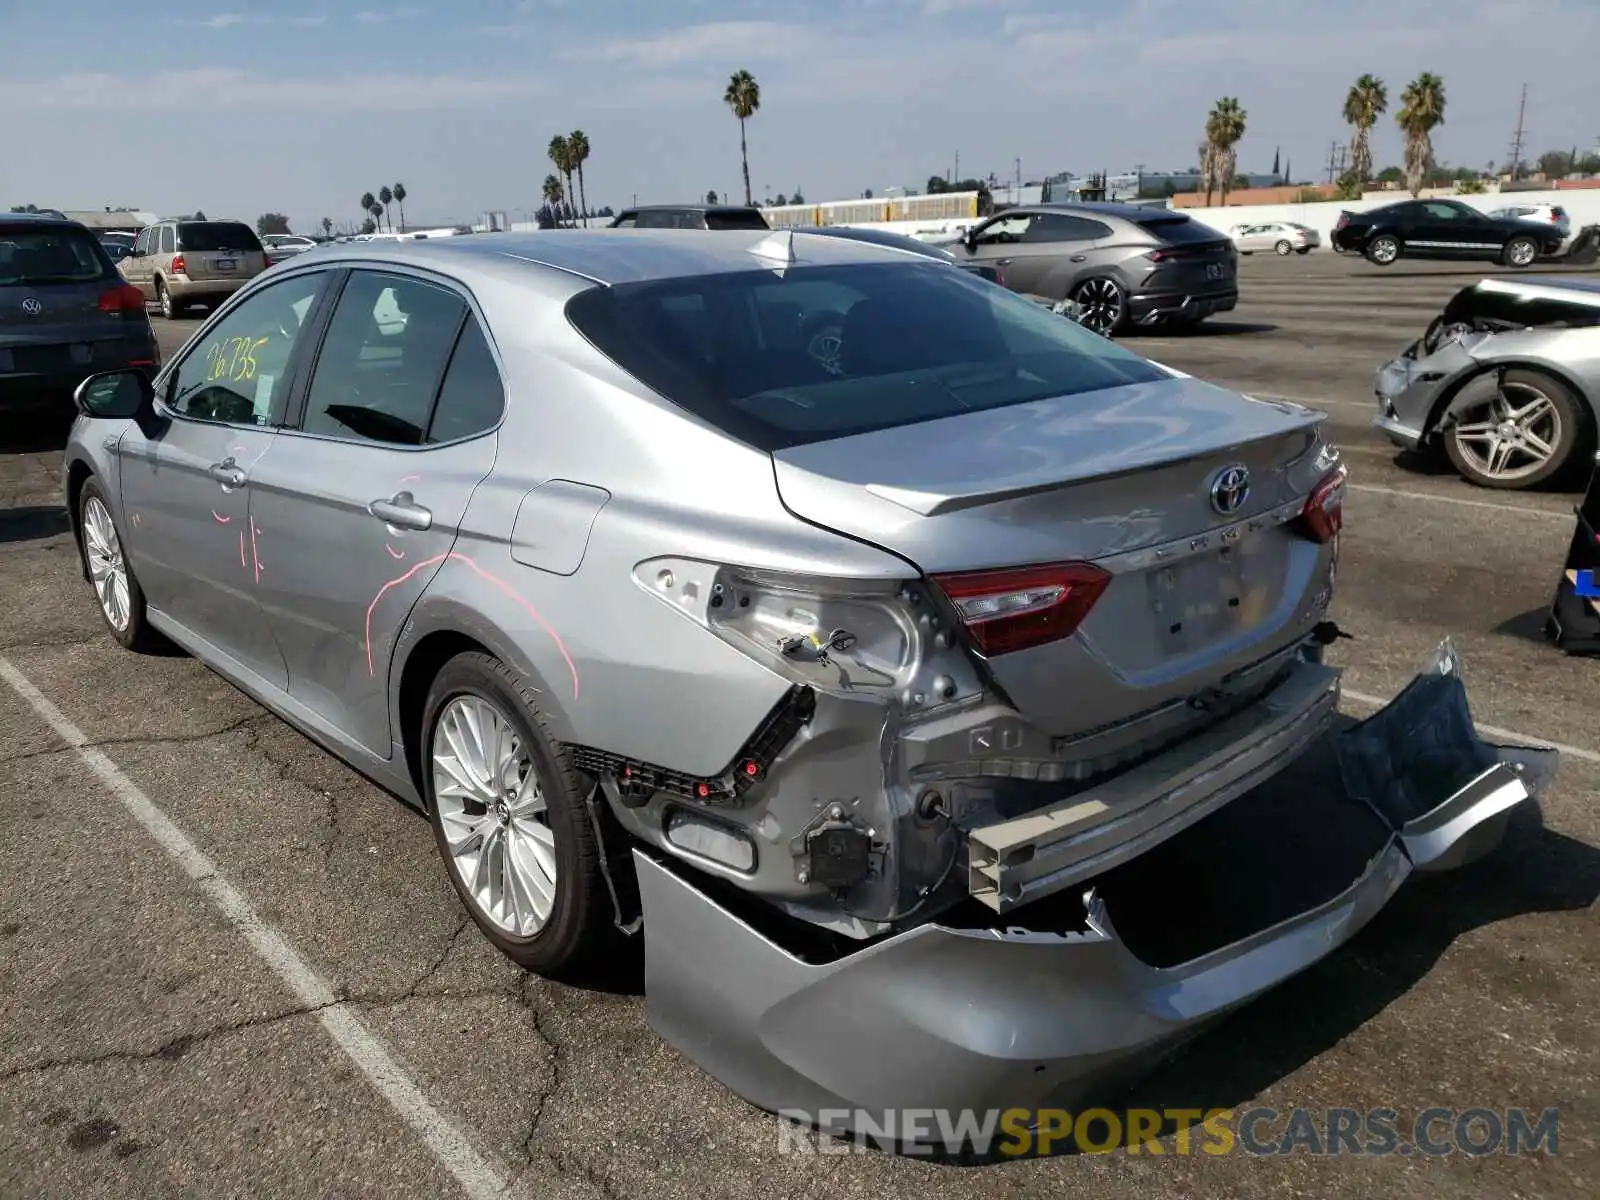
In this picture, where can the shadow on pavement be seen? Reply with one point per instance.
(31, 523)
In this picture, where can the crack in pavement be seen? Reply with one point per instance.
(530, 1153)
(153, 739)
(62, 644)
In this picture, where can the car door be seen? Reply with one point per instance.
(136, 267)
(186, 477)
(1056, 250)
(361, 502)
(994, 243)
(1444, 229)
(1252, 238)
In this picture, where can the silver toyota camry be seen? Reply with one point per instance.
(845, 677)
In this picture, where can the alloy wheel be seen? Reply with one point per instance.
(165, 298)
(107, 569)
(494, 815)
(1513, 435)
(1521, 253)
(1385, 250)
(1101, 303)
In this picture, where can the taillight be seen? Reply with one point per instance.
(1156, 256)
(1323, 515)
(178, 266)
(124, 298)
(1019, 607)
(1344, 219)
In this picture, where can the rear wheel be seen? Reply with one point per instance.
(1383, 249)
(1302, 250)
(1513, 432)
(164, 300)
(117, 591)
(510, 819)
(1283, 249)
(1103, 305)
(1520, 252)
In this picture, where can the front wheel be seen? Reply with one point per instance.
(1520, 252)
(1103, 305)
(1513, 431)
(1383, 250)
(117, 590)
(1283, 249)
(510, 818)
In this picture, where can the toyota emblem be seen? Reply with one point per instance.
(1230, 489)
(33, 306)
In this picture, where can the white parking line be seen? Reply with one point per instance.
(1494, 731)
(480, 1178)
(1524, 509)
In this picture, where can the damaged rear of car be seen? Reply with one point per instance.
(1506, 381)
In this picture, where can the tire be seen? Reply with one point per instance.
(164, 301)
(121, 603)
(1302, 250)
(1473, 456)
(1104, 303)
(1520, 253)
(1383, 250)
(578, 919)
(1283, 249)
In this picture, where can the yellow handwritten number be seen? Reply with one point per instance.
(234, 359)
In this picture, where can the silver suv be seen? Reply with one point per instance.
(179, 262)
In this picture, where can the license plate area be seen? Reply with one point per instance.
(225, 264)
(1215, 271)
(1210, 595)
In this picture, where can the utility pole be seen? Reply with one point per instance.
(1516, 138)
(956, 174)
(1333, 162)
(1016, 196)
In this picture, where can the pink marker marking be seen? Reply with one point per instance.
(221, 520)
(253, 554)
(241, 549)
(506, 588)
(411, 479)
(393, 553)
(136, 520)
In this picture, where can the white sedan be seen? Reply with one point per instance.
(1281, 237)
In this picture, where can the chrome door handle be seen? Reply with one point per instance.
(1079, 258)
(401, 511)
(228, 473)
(1002, 262)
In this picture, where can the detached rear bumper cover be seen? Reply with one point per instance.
(1017, 1017)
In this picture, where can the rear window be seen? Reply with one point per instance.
(743, 218)
(217, 235)
(1179, 231)
(825, 352)
(39, 256)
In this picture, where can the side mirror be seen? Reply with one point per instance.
(116, 395)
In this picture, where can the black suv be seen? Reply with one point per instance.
(1443, 229)
(691, 216)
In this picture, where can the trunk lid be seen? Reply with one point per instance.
(51, 281)
(220, 250)
(1122, 478)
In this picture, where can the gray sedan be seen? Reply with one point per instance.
(845, 680)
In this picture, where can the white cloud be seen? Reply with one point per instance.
(725, 40)
(234, 20)
(210, 88)
(383, 16)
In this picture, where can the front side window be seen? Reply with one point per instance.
(1004, 231)
(237, 373)
(826, 352)
(383, 359)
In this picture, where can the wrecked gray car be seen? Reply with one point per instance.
(1506, 381)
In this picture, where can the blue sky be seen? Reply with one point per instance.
(300, 107)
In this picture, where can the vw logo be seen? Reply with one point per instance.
(1230, 489)
(32, 306)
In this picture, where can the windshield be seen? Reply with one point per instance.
(36, 256)
(217, 235)
(815, 353)
(739, 218)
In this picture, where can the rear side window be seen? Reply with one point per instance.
(169, 242)
(382, 360)
(1178, 231)
(40, 256)
(739, 218)
(826, 352)
(217, 235)
(627, 222)
(472, 398)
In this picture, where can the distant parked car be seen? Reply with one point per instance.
(65, 312)
(1544, 214)
(1280, 237)
(177, 263)
(690, 216)
(1444, 229)
(911, 245)
(1124, 265)
(1506, 381)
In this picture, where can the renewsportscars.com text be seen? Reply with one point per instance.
(1023, 1132)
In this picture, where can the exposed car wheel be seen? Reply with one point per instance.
(1383, 250)
(164, 301)
(1103, 305)
(509, 816)
(115, 588)
(1302, 250)
(1283, 249)
(1520, 252)
(1513, 431)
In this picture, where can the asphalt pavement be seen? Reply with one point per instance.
(231, 967)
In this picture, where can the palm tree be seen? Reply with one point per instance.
(377, 214)
(400, 199)
(368, 203)
(552, 194)
(386, 198)
(1208, 170)
(1224, 128)
(1366, 101)
(578, 151)
(744, 98)
(1421, 112)
(560, 152)
(327, 226)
